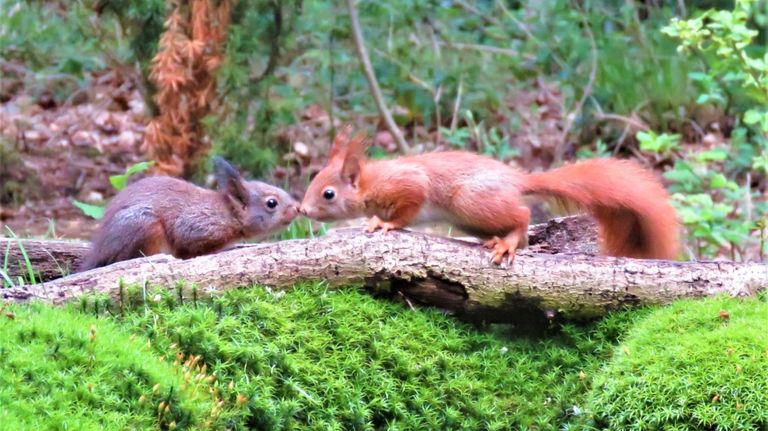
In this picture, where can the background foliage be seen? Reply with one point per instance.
(674, 84)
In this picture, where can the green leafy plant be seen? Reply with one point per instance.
(663, 144)
(491, 141)
(601, 150)
(716, 199)
(713, 206)
(302, 228)
(31, 273)
(92, 211)
(118, 182)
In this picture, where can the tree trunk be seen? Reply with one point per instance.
(452, 274)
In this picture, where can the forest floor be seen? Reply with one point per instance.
(59, 152)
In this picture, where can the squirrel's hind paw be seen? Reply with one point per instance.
(501, 247)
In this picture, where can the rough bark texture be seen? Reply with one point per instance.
(55, 259)
(50, 259)
(449, 273)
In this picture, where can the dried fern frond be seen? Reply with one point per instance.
(190, 52)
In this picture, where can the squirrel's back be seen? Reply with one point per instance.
(136, 221)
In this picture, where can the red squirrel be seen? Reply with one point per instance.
(483, 197)
(168, 215)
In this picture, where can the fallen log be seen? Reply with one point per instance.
(48, 259)
(52, 259)
(452, 274)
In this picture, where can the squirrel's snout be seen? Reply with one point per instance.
(302, 210)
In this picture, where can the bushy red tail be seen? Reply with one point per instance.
(629, 202)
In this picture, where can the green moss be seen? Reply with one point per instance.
(60, 369)
(314, 358)
(322, 359)
(688, 367)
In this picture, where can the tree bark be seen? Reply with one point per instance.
(50, 259)
(449, 273)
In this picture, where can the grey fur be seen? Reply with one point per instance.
(163, 214)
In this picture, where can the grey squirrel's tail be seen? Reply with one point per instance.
(128, 234)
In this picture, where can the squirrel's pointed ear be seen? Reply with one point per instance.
(229, 180)
(354, 158)
(339, 145)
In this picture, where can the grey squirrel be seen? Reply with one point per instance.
(167, 215)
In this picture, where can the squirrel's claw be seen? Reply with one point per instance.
(386, 227)
(501, 248)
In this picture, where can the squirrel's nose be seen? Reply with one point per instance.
(302, 210)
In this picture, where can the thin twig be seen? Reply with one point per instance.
(457, 104)
(524, 28)
(332, 73)
(628, 123)
(407, 301)
(274, 47)
(438, 117)
(482, 48)
(413, 78)
(473, 10)
(622, 119)
(435, 42)
(357, 34)
(564, 146)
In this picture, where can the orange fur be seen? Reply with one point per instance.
(483, 197)
(630, 204)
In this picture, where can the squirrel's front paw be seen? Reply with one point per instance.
(373, 224)
(376, 223)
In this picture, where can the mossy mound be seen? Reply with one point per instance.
(694, 365)
(322, 359)
(60, 369)
(314, 358)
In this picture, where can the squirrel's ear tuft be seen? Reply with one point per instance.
(339, 145)
(229, 180)
(354, 157)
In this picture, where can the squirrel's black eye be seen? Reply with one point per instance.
(271, 203)
(329, 194)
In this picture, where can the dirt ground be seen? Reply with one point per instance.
(53, 154)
